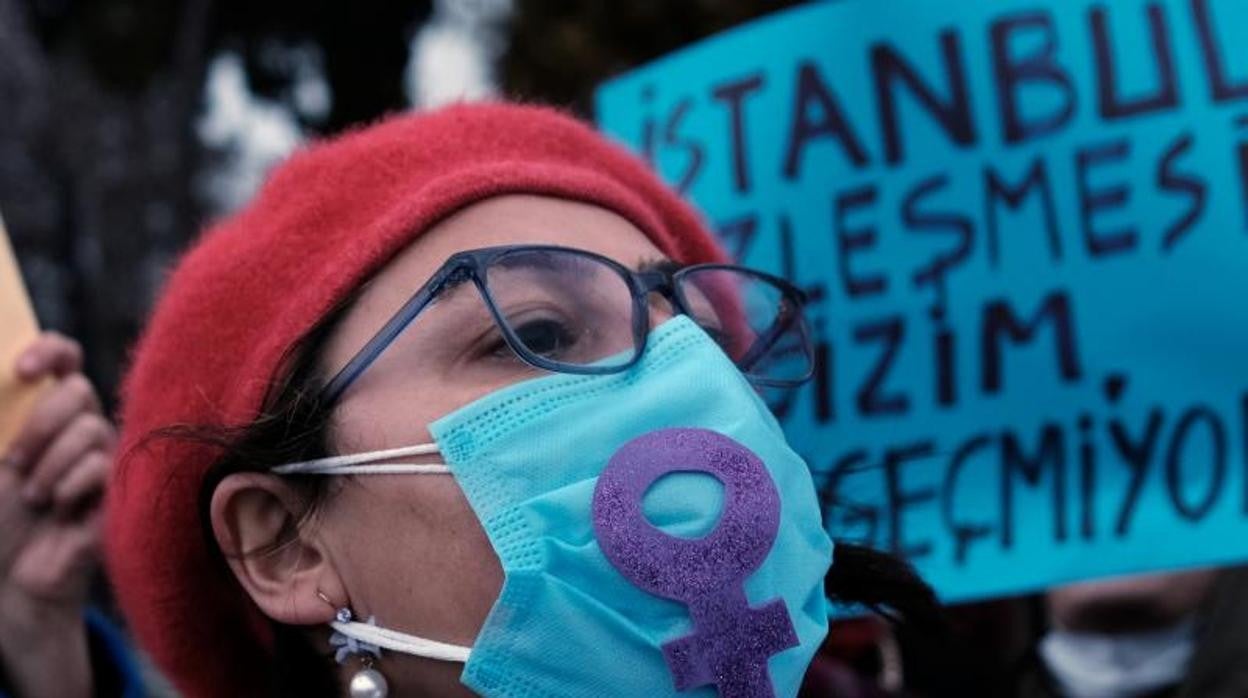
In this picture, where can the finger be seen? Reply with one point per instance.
(82, 488)
(53, 413)
(51, 353)
(87, 432)
(56, 565)
(17, 519)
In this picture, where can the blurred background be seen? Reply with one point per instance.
(127, 125)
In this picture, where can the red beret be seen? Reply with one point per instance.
(256, 283)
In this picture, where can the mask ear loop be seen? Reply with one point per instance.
(353, 637)
(367, 463)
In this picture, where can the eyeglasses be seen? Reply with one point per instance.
(573, 311)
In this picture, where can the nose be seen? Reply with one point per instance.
(660, 307)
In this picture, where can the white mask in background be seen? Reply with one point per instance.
(1093, 665)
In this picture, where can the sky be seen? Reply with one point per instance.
(450, 59)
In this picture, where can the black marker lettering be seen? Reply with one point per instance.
(1221, 85)
(1111, 104)
(963, 533)
(1000, 323)
(830, 122)
(1014, 461)
(1193, 187)
(1136, 453)
(1091, 201)
(871, 400)
(733, 95)
(900, 498)
(919, 220)
(850, 241)
(1038, 68)
(888, 68)
(1174, 462)
(997, 190)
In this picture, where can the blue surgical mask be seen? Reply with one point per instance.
(656, 532)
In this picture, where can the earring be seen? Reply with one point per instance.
(367, 682)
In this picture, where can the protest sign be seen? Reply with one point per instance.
(1024, 229)
(17, 329)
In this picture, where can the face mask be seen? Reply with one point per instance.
(618, 575)
(1091, 665)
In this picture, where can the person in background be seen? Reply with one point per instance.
(52, 481)
(1173, 635)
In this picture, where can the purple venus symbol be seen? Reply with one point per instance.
(731, 641)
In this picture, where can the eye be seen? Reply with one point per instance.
(546, 337)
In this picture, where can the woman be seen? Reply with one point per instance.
(447, 410)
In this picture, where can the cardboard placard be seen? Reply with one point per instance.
(18, 328)
(1024, 230)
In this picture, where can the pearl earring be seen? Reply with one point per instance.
(367, 682)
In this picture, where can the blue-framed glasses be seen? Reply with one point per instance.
(572, 311)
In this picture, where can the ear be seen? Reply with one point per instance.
(281, 564)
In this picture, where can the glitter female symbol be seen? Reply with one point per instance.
(731, 641)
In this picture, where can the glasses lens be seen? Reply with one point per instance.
(571, 309)
(758, 322)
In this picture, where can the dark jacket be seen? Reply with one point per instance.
(115, 674)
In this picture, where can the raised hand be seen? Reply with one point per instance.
(52, 479)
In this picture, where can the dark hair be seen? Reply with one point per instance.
(293, 425)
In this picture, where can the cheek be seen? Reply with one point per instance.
(389, 416)
(412, 553)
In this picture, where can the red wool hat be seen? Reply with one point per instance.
(253, 285)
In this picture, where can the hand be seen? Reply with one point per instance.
(52, 478)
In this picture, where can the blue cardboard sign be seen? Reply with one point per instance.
(1024, 227)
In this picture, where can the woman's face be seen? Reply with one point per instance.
(407, 548)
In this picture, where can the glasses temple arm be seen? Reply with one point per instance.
(375, 346)
(763, 344)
